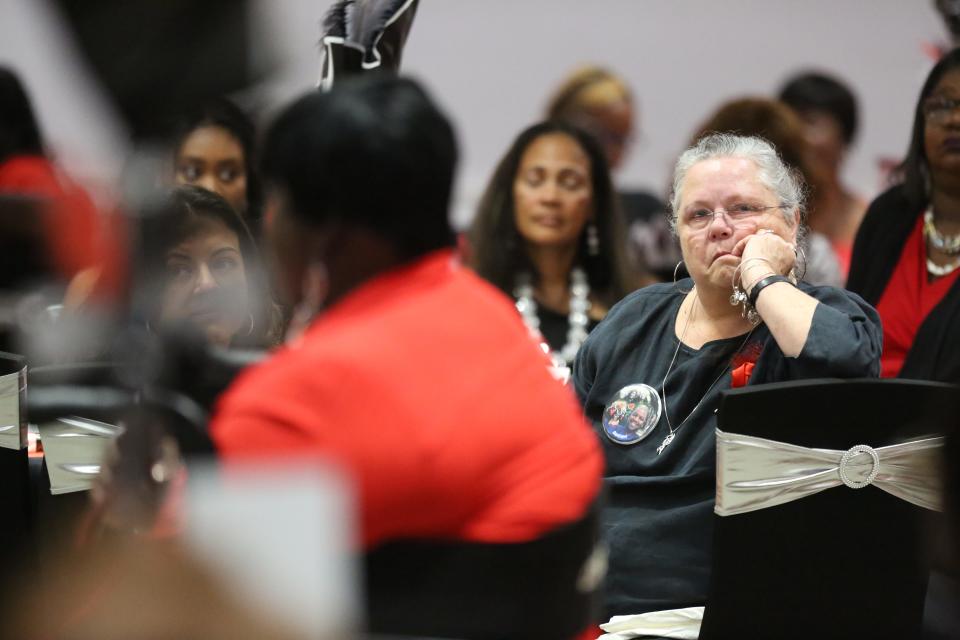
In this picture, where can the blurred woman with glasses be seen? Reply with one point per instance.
(600, 102)
(827, 109)
(906, 257)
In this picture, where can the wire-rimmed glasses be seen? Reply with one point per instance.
(938, 110)
(737, 215)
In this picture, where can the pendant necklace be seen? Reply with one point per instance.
(663, 385)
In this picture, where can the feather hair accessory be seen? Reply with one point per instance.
(362, 35)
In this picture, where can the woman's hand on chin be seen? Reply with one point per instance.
(766, 252)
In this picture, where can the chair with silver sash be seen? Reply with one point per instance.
(826, 494)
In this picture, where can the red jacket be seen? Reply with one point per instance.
(424, 384)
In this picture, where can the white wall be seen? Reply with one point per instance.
(493, 63)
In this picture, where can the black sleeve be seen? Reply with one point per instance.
(602, 341)
(584, 371)
(845, 338)
(880, 239)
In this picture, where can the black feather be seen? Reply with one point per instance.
(335, 22)
(368, 18)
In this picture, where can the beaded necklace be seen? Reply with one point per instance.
(577, 319)
(949, 245)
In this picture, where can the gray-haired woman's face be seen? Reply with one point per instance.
(722, 201)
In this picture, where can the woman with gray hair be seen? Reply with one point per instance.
(667, 351)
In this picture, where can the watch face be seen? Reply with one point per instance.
(632, 414)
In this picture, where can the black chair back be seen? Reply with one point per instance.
(536, 590)
(841, 563)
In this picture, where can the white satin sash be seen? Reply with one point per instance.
(756, 473)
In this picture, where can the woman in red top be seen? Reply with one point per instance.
(69, 228)
(907, 253)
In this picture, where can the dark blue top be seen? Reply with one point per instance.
(658, 516)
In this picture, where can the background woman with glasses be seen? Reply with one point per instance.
(906, 257)
(663, 355)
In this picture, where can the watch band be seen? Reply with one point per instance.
(764, 283)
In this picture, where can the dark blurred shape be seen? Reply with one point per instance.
(442, 588)
(158, 59)
(364, 35)
(23, 250)
(16, 533)
(943, 601)
(812, 91)
(134, 589)
(950, 12)
(19, 131)
(48, 222)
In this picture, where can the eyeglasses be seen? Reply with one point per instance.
(737, 215)
(939, 110)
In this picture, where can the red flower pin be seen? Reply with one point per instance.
(743, 362)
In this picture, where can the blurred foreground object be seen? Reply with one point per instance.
(138, 590)
(158, 59)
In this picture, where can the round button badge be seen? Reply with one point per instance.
(632, 414)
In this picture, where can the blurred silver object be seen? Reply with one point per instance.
(13, 425)
(74, 448)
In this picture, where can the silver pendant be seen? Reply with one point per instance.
(632, 414)
(666, 441)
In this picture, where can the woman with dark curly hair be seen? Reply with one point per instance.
(547, 232)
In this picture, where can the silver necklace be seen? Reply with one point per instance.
(663, 384)
(577, 319)
(949, 245)
(937, 270)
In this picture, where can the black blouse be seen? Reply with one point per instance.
(935, 353)
(554, 327)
